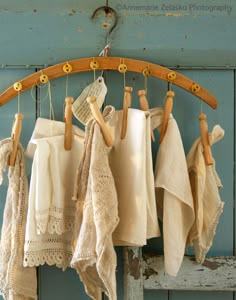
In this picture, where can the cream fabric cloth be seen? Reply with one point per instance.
(174, 197)
(16, 282)
(205, 185)
(131, 165)
(94, 257)
(51, 214)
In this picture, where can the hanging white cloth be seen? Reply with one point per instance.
(94, 256)
(174, 197)
(16, 281)
(205, 184)
(51, 213)
(131, 164)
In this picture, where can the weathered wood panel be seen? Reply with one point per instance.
(215, 274)
(133, 276)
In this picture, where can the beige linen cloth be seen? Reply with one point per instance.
(94, 256)
(174, 197)
(131, 164)
(51, 214)
(205, 185)
(16, 281)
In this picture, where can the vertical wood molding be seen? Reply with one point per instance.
(133, 273)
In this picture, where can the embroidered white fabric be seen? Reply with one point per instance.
(94, 257)
(16, 281)
(51, 213)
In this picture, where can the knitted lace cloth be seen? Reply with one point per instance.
(51, 214)
(94, 257)
(16, 281)
(205, 185)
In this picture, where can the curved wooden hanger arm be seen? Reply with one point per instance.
(112, 63)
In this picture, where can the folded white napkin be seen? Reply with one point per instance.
(131, 164)
(174, 197)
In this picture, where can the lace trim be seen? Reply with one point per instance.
(51, 250)
(58, 257)
(56, 220)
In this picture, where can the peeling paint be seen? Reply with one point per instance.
(134, 265)
(71, 12)
(149, 272)
(211, 265)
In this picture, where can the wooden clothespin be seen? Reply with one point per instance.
(68, 123)
(167, 111)
(16, 131)
(126, 105)
(145, 106)
(205, 139)
(99, 118)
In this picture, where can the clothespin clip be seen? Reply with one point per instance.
(167, 111)
(99, 118)
(144, 106)
(205, 139)
(126, 105)
(16, 131)
(68, 123)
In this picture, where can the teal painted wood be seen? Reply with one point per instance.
(185, 37)
(187, 295)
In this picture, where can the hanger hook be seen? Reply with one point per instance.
(107, 10)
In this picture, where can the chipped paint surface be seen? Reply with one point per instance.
(133, 277)
(215, 274)
(134, 264)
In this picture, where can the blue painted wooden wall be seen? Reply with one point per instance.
(197, 37)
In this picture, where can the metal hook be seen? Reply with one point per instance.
(107, 10)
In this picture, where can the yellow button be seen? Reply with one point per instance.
(195, 88)
(171, 76)
(43, 78)
(147, 72)
(122, 68)
(94, 65)
(17, 86)
(67, 68)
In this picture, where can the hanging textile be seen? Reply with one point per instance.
(94, 256)
(205, 184)
(174, 197)
(51, 215)
(16, 281)
(131, 164)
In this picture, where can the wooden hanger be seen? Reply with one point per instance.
(68, 123)
(16, 131)
(99, 118)
(205, 140)
(126, 104)
(112, 63)
(145, 106)
(166, 114)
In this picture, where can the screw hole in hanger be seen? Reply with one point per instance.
(107, 10)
